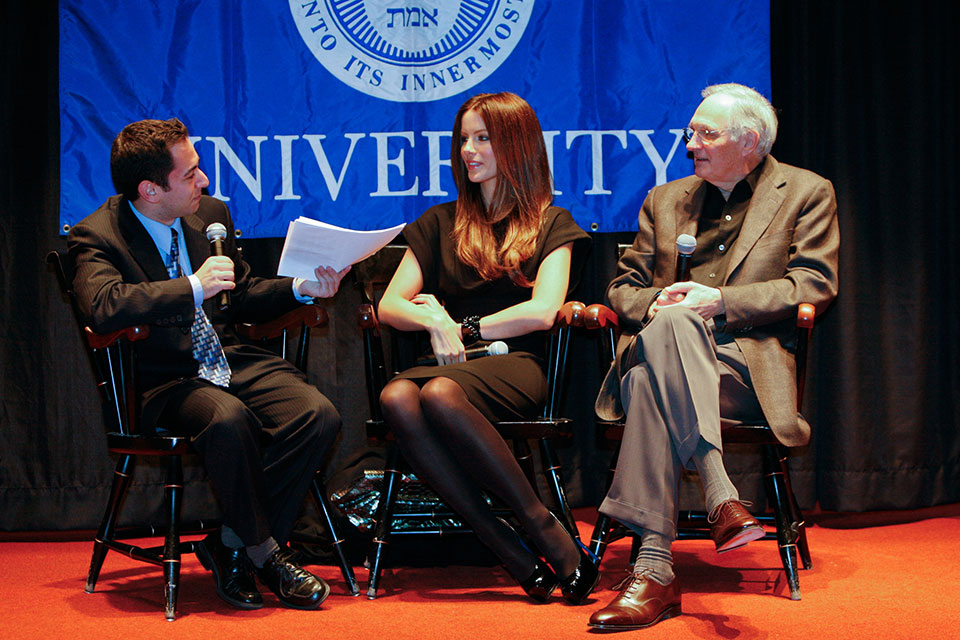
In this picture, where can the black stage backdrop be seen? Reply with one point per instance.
(867, 98)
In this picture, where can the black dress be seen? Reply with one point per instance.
(503, 387)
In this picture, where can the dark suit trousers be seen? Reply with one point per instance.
(673, 397)
(261, 440)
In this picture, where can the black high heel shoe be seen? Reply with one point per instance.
(579, 584)
(541, 584)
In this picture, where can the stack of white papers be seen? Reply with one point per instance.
(311, 244)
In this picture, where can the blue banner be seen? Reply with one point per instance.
(341, 110)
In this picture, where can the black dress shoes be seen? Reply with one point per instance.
(293, 585)
(231, 571)
(541, 583)
(578, 585)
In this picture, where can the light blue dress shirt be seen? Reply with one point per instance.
(160, 233)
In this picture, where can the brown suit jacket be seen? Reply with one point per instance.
(121, 280)
(786, 254)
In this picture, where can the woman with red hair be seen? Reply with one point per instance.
(494, 265)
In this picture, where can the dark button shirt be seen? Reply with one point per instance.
(717, 230)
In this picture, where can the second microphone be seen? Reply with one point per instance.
(498, 348)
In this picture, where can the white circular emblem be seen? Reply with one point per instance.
(411, 50)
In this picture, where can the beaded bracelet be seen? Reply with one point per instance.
(470, 330)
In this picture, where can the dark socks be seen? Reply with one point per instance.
(259, 553)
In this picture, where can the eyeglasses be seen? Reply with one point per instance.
(705, 135)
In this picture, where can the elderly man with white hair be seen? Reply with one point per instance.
(716, 345)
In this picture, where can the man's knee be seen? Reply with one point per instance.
(675, 316)
(670, 328)
(230, 425)
(323, 419)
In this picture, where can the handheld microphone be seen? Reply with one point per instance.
(498, 348)
(686, 244)
(216, 233)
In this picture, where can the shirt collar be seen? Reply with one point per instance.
(159, 231)
(746, 186)
(754, 176)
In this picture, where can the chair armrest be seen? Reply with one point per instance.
(805, 315)
(598, 316)
(569, 315)
(367, 318)
(311, 315)
(104, 340)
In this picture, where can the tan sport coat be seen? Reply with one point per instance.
(786, 254)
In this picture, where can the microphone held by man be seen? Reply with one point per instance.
(686, 245)
(498, 348)
(216, 234)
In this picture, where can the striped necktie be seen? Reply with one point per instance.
(206, 346)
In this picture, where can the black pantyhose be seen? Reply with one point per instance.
(456, 450)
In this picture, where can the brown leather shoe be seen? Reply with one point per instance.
(642, 603)
(732, 526)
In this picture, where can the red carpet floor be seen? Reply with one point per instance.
(874, 576)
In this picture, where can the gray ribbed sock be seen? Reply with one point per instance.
(259, 553)
(717, 487)
(655, 555)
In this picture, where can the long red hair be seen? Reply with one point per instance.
(522, 194)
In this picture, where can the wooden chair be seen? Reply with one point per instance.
(373, 275)
(787, 519)
(113, 358)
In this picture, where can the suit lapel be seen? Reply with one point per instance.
(143, 250)
(198, 248)
(764, 205)
(688, 211)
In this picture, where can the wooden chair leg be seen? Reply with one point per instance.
(121, 482)
(524, 455)
(323, 506)
(604, 526)
(796, 515)
(803, 548)
(171, 547)
(601, 536)
(634, 549)
(552, 467)
(388, 496)
(787, 533)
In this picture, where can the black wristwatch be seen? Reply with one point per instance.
(471, 330)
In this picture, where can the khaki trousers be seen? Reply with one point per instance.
(688, 376)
